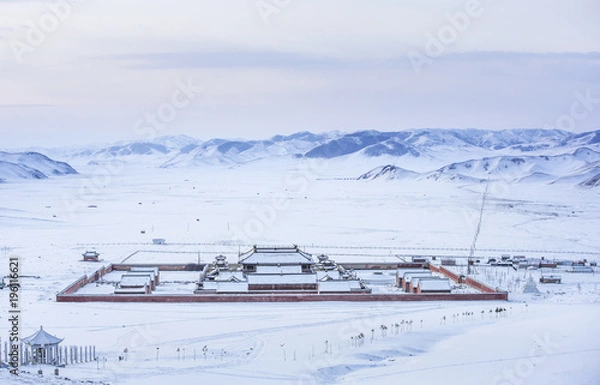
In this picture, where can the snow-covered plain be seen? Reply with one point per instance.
(553, 338)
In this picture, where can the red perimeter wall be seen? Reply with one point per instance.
(468, 281)
(282, 297)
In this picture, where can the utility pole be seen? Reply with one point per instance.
(478, 228)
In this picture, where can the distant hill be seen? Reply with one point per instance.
(30, 165)
(580, 167)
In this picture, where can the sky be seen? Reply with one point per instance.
(82, 71)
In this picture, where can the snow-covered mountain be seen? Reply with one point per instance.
(184, 151)
(388, 172)
(579, 167)
(222, 151)
(453, 154)
(30, 165)
(159, 148)
(416, 142)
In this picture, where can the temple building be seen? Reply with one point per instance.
(278, 269)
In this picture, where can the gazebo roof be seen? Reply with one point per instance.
(41, 338)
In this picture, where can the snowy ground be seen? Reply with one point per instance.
(552, 338)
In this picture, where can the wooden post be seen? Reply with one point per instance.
(86, 354)
(81, 354)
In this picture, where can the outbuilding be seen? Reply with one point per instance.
(430, 286)
(90, 256)
(133, 284)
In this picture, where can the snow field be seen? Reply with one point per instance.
(49, 225)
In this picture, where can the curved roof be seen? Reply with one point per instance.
(41, 338)
(276, 256)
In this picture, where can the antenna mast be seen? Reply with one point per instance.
(478, 228)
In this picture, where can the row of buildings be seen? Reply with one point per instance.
(421, 281)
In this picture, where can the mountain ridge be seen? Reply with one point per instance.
(436, 150)
(183, 150)
(582, 166)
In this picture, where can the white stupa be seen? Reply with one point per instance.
(530, 286)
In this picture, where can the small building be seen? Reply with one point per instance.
(147, 274)
(155, 271)
(90, 256)
(400, 275)
(550, 279)
(417, 259)
(431, 286)
(224, 280)
(547, 264)
(333, 284)
(518, 259)
(448, 262)
(414, 283)
(134, 285)
(159, 241)
(44, 347)
(581, 269)
(406, 279)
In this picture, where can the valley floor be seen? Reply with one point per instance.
(551, 338)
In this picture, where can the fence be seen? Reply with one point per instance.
(55, 355)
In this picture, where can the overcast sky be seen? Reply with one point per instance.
(108, 70)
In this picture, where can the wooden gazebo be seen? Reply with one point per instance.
(44, 347)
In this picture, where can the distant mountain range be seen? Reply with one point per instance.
(518, 154)
(30, 165)
(184, 151)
